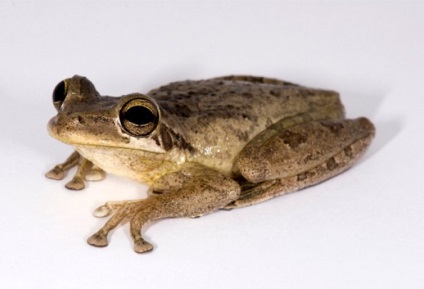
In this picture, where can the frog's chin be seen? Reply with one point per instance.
(138, 165)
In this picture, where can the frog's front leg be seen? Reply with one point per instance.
(200, 191)
(86, 171)
(300, 156)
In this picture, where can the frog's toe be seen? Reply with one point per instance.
(56, 173)
(95, 174)
(75, 184)
(102, 211)
(59, 171)
(109, 207)
(142, 246)
(99, 239)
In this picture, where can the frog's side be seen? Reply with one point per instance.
(204, 145)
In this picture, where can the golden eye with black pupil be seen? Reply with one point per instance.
(59, 94)
(139, 117)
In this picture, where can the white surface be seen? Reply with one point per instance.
(363, 229)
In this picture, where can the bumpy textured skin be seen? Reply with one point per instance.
(220, 143)
(231, 111)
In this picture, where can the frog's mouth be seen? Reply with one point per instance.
(74, 134)
(108, 147)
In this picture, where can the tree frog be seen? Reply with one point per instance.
(204, 145)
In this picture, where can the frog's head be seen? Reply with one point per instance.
(85, 118)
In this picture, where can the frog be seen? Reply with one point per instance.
(201, 146)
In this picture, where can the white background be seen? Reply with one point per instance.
(362, 229)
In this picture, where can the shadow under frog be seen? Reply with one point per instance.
(220, 143)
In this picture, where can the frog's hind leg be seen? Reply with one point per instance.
(329, 148)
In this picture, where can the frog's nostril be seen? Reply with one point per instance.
(81, 120)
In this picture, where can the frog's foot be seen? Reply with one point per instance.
(139, 212)
(139, 219)
(60, 170)
(86, 171)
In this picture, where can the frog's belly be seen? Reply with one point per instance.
(138, 165)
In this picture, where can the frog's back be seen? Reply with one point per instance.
(217, 117)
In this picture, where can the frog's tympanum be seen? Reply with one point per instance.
(201, 146)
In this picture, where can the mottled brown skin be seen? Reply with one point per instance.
(205, 145)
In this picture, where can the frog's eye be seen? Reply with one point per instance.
(59, 94)
(139, 117)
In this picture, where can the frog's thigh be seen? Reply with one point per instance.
(301, 156)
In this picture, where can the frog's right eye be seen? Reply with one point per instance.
(59, 94)
(139, 117)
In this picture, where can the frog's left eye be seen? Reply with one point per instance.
(59, 94)
(139, 117)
